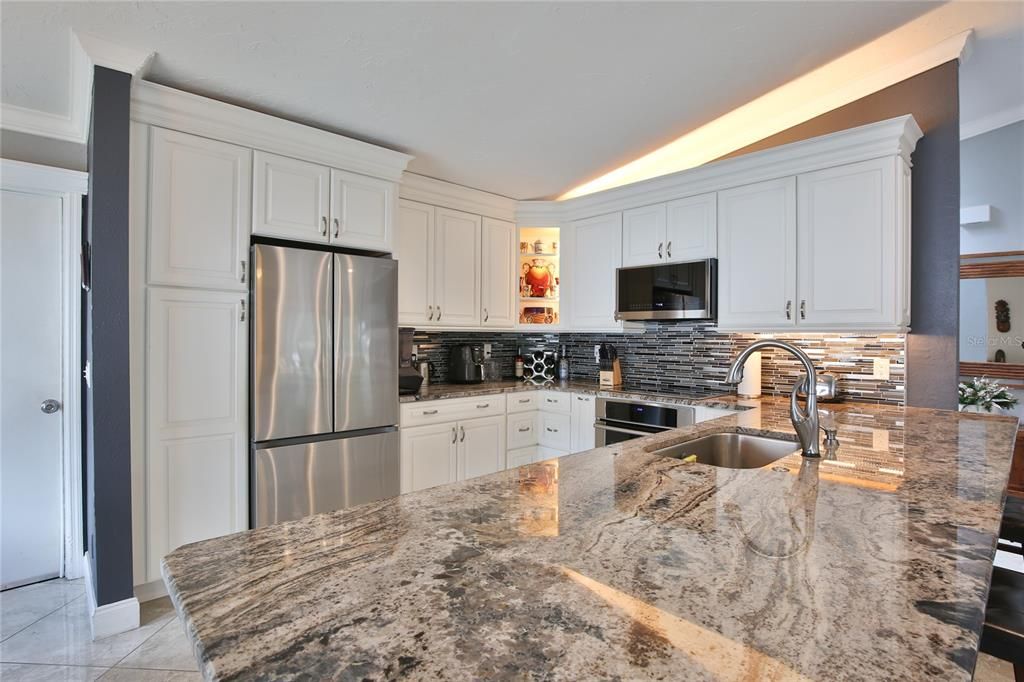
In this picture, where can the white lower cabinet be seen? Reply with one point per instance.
(554, 431)
(197, 473)
(481, 447)
(429, 456)
(583, 416)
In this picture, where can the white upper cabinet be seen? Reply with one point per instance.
(456, 268)
(199, 211)
(291, 198)
(757, 256)
(481, 447)
(680, 230)
(497, 274)
(643, 235)
(596, 253)
(691, 229)
(414, 251)
(847, 247)
(361, 211)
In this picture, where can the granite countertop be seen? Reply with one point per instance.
(620, 564)
(443, 391)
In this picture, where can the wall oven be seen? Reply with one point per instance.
(673, 291)
(620, 419)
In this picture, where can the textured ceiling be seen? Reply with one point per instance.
(522, 99)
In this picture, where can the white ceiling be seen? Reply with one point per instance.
(522, 99)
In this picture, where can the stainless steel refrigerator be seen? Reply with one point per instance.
(324, 376)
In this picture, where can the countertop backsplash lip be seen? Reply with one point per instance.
(869, 542)
(668, 356)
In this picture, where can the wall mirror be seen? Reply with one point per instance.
(992, 316)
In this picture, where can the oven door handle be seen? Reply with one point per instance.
(604, 427)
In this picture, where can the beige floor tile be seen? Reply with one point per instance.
(991, 669)
(21, 607)
(156, 610)
(169, 649)
(65, 638)
(137, 675)
(29, 672)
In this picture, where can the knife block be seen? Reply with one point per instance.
(611, 377)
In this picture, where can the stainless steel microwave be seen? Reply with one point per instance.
(672, 291)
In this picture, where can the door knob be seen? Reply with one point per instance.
(49, 406)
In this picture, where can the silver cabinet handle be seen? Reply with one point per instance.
(550, 400)
(323, 228)
(455, 434)
(337, 228)
(438, 313)
(551, 430)
(579, 397)
(789, 310)
(668, 249)
(524, 400)
(430, 310)
(241, 315)
(803, 309)
(524, 429)
(462, 430)
(486, 315)
(426, 412)
(243, 271)
(49, 406)
(480, 407)
(659, 249)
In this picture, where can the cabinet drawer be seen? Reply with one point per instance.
(522, 429)
(554, 430)
(439, 411)
(523, 402)
(554, 401)
(522, 456)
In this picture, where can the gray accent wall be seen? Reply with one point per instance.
(107, 402)
(933, 98)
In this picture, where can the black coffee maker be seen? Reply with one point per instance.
(466, 364)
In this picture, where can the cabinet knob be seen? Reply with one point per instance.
(524, 429)
(484, 405)
(49, 406)
(426, 412)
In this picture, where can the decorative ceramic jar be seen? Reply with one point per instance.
(539, 278)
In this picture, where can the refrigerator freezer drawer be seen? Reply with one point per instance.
(293, 481)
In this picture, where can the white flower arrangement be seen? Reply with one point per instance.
(985, 394)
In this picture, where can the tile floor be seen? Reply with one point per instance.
(44, 635)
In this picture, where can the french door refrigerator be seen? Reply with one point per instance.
(324, 376)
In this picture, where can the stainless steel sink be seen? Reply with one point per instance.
(732, 450)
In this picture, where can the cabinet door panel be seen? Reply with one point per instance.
(555, 431)
(290, 199)
(197, 366)
(414, 251)
(361, 211)
(481, 446)
(497, 274)
(692, 228)
(200, 202)
(847, 245)
(196, 489)
(757, 255)
(596, 253)
(456, 268)
(429, 456)
(583, 417)
(643, 235)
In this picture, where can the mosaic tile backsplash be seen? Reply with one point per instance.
(693, 356)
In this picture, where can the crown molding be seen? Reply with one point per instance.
(415, 187)
(892, 137)
(991, 122)
(70, 127)
(112, 56)
(178, 110)
(33, 177)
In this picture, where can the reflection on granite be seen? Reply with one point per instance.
(620, 564)
(445, 391)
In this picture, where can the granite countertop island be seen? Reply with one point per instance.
(617, 563)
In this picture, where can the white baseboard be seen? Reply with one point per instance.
(150, 591)
(109, 619)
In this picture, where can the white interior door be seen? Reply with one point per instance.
(30, 373)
